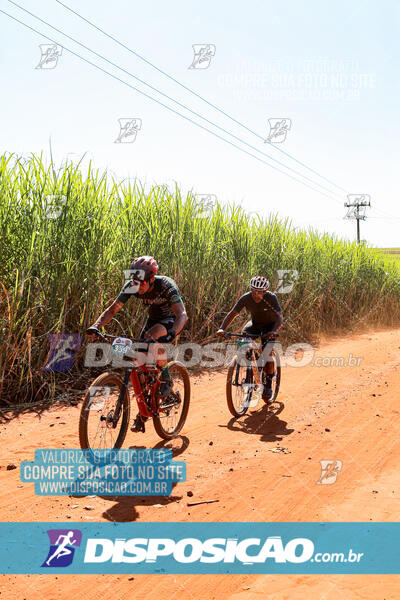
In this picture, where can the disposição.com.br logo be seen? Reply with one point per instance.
(200, 548)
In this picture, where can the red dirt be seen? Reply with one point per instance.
(340, 413)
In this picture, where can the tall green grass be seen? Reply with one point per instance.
(57, 275)
(390, 254)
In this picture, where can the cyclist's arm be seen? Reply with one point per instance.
(108, 314)
(233, 313)
(274, 304)
(278, 322)
(229, 318)
(173, 297)
(181, 317)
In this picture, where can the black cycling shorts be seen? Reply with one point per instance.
(167, 323)
(255, 329)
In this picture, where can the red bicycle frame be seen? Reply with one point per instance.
(137, 388)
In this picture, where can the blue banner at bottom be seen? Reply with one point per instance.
(159, 548)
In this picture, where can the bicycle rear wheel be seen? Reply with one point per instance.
(171, 412)
(239, 388)
(97, 430)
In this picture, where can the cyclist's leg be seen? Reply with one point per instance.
(157, 329)
(147, 359)
(243, 356)
(251, 328)
(149, 323)
(156, 355)
(268, 367)
(268, 362)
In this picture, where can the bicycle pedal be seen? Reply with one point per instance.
(138, 425)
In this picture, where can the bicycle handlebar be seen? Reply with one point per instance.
(106, 336)
(250, 335)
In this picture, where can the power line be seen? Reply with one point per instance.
(194, 93)
(385, 218)
(172, 99)
(385, 214)
(164, 105)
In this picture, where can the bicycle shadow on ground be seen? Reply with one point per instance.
(124, 509)
(264, 422)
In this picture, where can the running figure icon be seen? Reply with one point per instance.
(63, 543)
(62, 549)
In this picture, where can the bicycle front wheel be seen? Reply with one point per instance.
(239, 388)
(171, 412)
(100, 428)
(276, 379)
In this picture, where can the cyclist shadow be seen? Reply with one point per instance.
(264, 422)
(125, 508)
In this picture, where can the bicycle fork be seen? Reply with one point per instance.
(251, 369)
(256, 372)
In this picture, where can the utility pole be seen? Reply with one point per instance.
(356, 209)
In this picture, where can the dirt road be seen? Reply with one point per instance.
(262, 467)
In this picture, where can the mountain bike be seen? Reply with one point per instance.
(105, 413)
(246, 376)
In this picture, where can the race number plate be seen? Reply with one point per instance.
(243, 342)
(121, 345)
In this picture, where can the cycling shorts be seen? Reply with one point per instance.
(255, 329)
(167, 323)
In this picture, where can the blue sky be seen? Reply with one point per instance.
(328, 67)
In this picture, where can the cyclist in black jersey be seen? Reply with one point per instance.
(266, 319)
(167, 314)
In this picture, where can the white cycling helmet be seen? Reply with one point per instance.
(259, 283)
